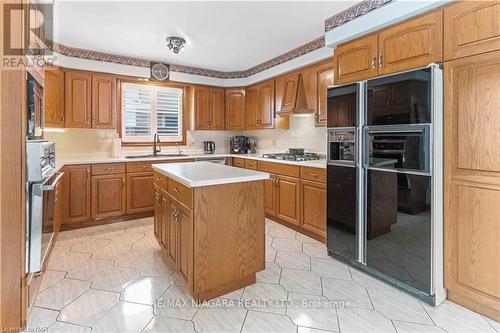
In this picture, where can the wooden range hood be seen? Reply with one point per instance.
(294, 99)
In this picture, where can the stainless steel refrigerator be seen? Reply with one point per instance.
(384, 184)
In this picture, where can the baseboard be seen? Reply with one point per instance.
(93, 223)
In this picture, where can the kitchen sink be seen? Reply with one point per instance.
(157, 156)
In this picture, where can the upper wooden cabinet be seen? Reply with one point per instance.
(471, 27)
(260, 105)
(412, 44)
(103, 101)
(78, 99)
(90, 100)
(209, 108)
(290, 88)
(235, 109)
(324, 79)
(54, 98)
(356, 60)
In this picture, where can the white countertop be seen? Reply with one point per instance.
(89, 159)
(205, 173)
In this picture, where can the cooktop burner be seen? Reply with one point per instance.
(293, 157)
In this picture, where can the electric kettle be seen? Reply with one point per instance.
(208, 147)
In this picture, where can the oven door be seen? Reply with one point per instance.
(41, 221)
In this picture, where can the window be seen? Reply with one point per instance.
(150, 109)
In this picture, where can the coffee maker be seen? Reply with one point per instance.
(238, 144)
(208, 147)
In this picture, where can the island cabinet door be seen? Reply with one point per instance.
(270, 195)
(170, 223)
(184, 224)
(158, 216)
(164, 232)
(288, 199)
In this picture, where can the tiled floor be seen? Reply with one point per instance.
(112, 279)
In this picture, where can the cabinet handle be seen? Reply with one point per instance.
(144, 167)
(93, 120)
(374, 62)
(62, 119)
(314, 174)
(176, 190)
(158, 179)
(380, 60)
(123, 181)
(316, 116)
(109, 169)
(157, 198)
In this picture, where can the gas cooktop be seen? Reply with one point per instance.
(293, 157)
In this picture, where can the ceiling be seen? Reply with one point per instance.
(224, 36)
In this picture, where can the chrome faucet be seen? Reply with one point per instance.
(179, 151)
(156, 149)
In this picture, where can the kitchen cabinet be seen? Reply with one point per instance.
(182, 230)
(288, 199)
(108, 196)
(472, 181)
(103, 101)
(139, 192)
(78, 90)
(54, 97)
(324, 77)
(290, 89)
(158, 214)
(238, 162)
(313, 207)
(260, 105)
(270, 195)
(411, 44)
(209, 108)
(76, 193)
(235, 109)
(471, 27)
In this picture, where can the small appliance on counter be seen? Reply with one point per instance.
(238, 144)
(208, 147)
(252, 145)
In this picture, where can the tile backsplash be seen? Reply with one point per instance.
(302, 134)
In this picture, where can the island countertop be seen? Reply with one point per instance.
(197, 174)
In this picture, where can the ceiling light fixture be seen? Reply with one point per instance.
(175, 44)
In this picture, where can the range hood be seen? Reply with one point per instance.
(294, 101)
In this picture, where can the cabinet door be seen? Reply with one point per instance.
(472, 182)
(270, 195)
(252, 100)
(54, 97)
(171, 234)
(412, 44)
(139, 192)
(184, 222)
(103, 101)
(201, 108)
(108, 196)
(78, 99)
(158, 214)
(165, 229)
(356, 60)
(217, 108)
(265, 107)
(235, 109)
(471, 27)
(288, 199)
(290, 87)
(76, 194)
(314, 207)
(325, 79)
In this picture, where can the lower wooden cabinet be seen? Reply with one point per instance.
(313, 207)
(108, 196)
(288, 199)
(182, 228)
(270, 195)
(76, 193)
(139, 192)
(158, 214)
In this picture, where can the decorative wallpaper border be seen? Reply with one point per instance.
(334, 21)
(353, 12)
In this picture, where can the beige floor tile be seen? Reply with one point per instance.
(134, 258)
(112, 251)
(90, 245)
(310, 330)
(369, 282)
(67, 261)
(284, 244)
(129, 237)
(312, 311)
(87, 309)
(50, 278)
(40, 319)
(271, 274)
(123, 318)
(315, 250)
(270, 254)
(108, 233)
(156, 266)
(265, 297)
(396, 305)
(282, 232)
(145, 289)
(115, 279)
(405, 327)
(161, 324)
(219, 319)
(300, 281)
(356, 320)
(495, 324)
(147, 243)
(176, 302)
(306, 239)
(61, 294)
(90, 269)
(293, 260)
(60, 327)
(330, 268)
(260, 322)
(176, 280)
(346, 291)
(234, 295)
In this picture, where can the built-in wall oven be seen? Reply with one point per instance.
(42, 179)
(385, 205)
(35, 107)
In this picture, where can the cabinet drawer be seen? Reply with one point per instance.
(139, 167)
(108, 168)
(180, 192)
(314, 174)
(160, 180)
(251, 164)
(238, 162)
(279, 168)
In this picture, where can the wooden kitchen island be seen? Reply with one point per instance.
(209, 220)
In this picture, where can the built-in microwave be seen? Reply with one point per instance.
(35, 109)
